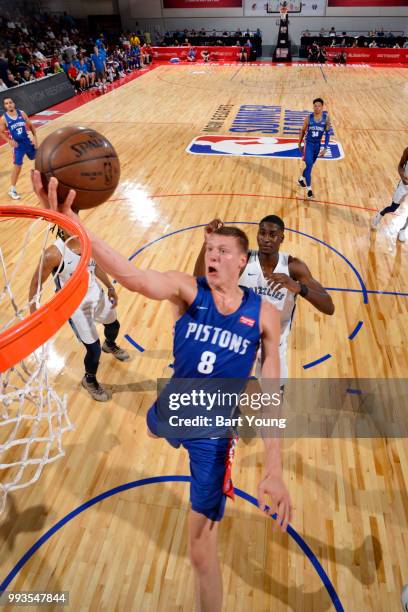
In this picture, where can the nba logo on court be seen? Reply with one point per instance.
(258, 146)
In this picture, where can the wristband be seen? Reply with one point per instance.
(304, 290)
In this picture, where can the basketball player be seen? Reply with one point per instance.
(400, 194)
(16, 122)
(210, 311)
(278, 278)
(314, 126)
(61, 258)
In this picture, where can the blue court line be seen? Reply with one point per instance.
(153, 480)
(355, 330)
(354, 391)
(134, 343)
(373, 291)
(312, 364)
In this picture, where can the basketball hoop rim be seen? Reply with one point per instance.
(24, 337)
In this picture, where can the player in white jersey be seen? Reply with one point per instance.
(61, 259)
(279, 278)
(400, 194)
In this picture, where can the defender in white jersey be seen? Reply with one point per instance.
(279, 278)
(61, 259)
(399, 195)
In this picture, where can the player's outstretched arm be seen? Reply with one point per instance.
(49, 262)
(199, 268)
(174, 286)
(272, 490)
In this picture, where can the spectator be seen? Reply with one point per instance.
(205, 54)
(13, 80)
(27, 76)
(238, 33)
(40, 56)
(3, 67)
(396, 46)
(405, 45)
(186, 43)
(372, 44)
(332, 31)
(38, 70)
(214, 32)
(57, 68)
(242, 54)
(381, 32)
(306, 33)
(321, 58)
(134, 40)
(322, 32)
(191, 54)
(147, 54)
(3, 86)
(202, 32)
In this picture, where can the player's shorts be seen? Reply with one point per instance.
(311, 152)
(96, 308)
(209, 467)
(21, 150)
(400, 193)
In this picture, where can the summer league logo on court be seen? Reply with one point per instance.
(256, 146)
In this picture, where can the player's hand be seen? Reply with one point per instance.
(278, 281)
(404, 179)
(300, 147)
(13, 143)
(322, 152)
(113, 297)
(212, 226)
(50, 200)
(279, 500)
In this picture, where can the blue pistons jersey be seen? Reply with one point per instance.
(316, 129)
(17, 128)
(209, 344)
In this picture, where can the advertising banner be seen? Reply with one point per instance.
(37, 95)
(356, 55)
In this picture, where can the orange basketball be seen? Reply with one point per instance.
(81, 159)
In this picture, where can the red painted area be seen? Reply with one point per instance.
(370, 3)
(357, 55)
(198, 4)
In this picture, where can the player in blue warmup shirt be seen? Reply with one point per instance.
(217, 332)
(314, 127)
(16, 123)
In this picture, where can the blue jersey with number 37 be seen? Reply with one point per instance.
(209, 344)
(315, 128)
(17, 127)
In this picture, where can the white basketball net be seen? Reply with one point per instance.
(33, 417)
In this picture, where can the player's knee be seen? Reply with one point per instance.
(201, 548)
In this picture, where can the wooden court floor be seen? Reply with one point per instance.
(129, 552)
